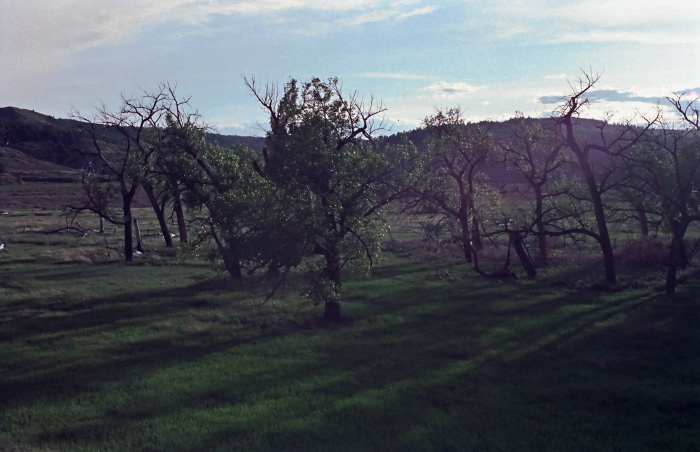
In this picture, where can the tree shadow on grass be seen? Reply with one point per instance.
(435, 365)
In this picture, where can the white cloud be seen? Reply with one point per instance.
(553, 21)
(626, 13)
(379, 14)
(271, 6)
(442, 88)
(36, 35)
(418, 12)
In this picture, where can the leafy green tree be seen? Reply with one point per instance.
(220, 188)
(323, 154)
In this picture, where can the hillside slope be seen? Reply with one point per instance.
(61, 141)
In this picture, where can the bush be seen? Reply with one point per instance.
(643, 253)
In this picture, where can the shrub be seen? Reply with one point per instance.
(643, 253)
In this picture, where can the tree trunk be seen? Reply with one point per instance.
(522, 255)
(102, 225)
(128, 234)
(232, 263)
(273, 270)
(643, 222)
(179, 213)
(596, 200)
(139, 242)
(233, 267)
(160, 214)
(476, 234)
(603, 234)
(466, 245)
(331, 311)
(678, 257)
(127, 199)
(539, 222)
(467, 248)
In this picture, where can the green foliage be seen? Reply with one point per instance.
(321, 153)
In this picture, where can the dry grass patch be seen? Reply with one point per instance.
(78, 255)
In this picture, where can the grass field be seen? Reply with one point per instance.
(164, 355)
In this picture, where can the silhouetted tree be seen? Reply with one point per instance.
(582, 148)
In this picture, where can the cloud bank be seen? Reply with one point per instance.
(608, 95)
(38, 35)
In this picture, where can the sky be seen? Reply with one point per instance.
(490, 58)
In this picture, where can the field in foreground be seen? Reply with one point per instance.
(162, 355)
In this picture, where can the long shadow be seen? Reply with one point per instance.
(99, 312)
(407, 353)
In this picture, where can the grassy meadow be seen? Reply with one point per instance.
(166, 354)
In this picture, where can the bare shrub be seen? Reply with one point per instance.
(424, 249)
(643, 253)
(496, 252)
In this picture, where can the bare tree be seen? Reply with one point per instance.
(666, 169)
(688, 109)
(620, 142)
(117, 171)
(453, 161)
(537, 155)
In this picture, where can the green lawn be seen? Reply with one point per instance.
(161, 355)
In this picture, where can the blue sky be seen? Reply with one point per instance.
(490, 58)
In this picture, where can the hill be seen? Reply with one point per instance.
(20, 166)
(59, 141)
(44, 140)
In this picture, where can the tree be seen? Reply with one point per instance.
(455, 153)
(323, 154)
(170, 160)
(118, 171)
(243, 213)
(582, 149)
(536, 154)
(688, 109)
(158, 203)
(666, 168)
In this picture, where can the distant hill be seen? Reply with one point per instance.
(42, 137)
(47, 139)
(255, 143)
(36, 143)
